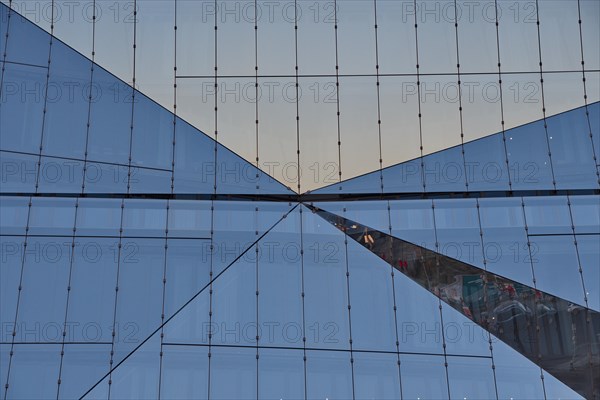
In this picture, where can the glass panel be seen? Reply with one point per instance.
(13, 215)
(419, 326)
(188, 266)
(328, 375)
(396, 20)
(423, 377)
(586, 213)
(372, 300)
(196, 34)
(356, 38)
(376, 376)
(23, 96)
(436, 33)
(92, 296)
(110, 118)
(588, 247)
(152, 143)
(471, 378)
(67, 103)
(184, 372)
(235, 39)
(518, 36)
(462, 335)
(10, 274)
(192, 324)
(52, 216)
(325, 286)
(316, 24)
(98, 217)
(594, 117)
(572, 153)
(547, 215)
(145, 218)
(516, 376)
(445, 171)
(521, 94)
(60, 175)
(412, 220)
(476, 36)
(559, 35)
(145, 180)
(276, 39)
(280, 374)
(33, 363)
(590, 32)
(480, 95)
(564, 91)
(372, 213)
(43, 298)
(556, 268)
(280, 287)
(189, 219)
(529, 164)
(28, 44)
(229, 365)
(106, 178)
(139, 303)
(485, 161)
(504, 239)
(194, 160)
(82, 366)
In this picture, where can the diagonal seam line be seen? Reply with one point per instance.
(187, 302)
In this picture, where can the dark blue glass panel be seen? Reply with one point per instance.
(145, 218)
(138, 376)
(189, 218)
(139, 303)
(471, 378)
(98, 217)
(423, 376)
(192, 324)
(152, 134)
(588, 247)
(13, 215)
(188, 267)
(105, 178)
(529, 164)
(10, 274)
(34, 372)
(28, 44)
(82, 366)
(412, 220)
(586, 213)
(145, 180)
(547, 215)
(457, 229)
(92, 296)
(194, 160)
(43, 298)
(67, 103)
(376, 376)
(556, 267)
(234, 304)
(229, 365)
(4, 12)
(110, 119)
(22, 96)
(418, 317)
(280, 286)
(19, 172)
(485, 162)
(52, 216)
(184, 372)
(328, 375)
(280, 374)
(60, 175)
(325, 286)
(505, 239)
(371, 299)
(405, 177)
(444, 171)
(572, 153)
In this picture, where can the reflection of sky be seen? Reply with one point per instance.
(358, 97)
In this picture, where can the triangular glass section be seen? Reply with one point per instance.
(523, 317)
(92, 132)
(517, 159)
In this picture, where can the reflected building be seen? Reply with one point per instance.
(176, 221)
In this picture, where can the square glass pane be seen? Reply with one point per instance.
(485, 162)
(228, 365)
(280, 374)
(33, 363)
(105, 178)
(60, 175)
(22, 96)
(184, 372)
(189, 219)
(412, 221)
(82, 366)
(98, 217)
(146, 180)
(145, 218)
(376, 375)
(50, 216)
(13, 215)
(471, 378)
(328, 375)
(28, 44)
(423, 376)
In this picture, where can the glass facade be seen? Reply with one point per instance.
(456, 255)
